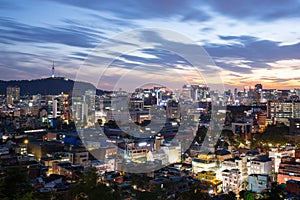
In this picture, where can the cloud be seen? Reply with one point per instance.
(71, 35)
(279, 74)
(256, 10)
(149, 9)
(250, 60)
(8, 5)
(17, 65)
(149, 54)
(243, 38)
(254, 49)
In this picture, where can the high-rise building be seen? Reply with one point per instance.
(281, 111)
(297, 92)
(173, 109)
(54, 108)
(12, 94)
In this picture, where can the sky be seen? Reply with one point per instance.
(119, 43)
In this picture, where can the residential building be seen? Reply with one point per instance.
(222, 154)
(239, 163)
(289, 169)
(232, 180)
(258, 182)
(207, 176)
(276, 154)
(262, 164)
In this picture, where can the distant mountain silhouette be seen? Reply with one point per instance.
(51, 86)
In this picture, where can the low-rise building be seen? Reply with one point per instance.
(258, 182)
(232, 180)
(67, 169)
(277, 154)
(289, 169)
(261, 165)
(293, 187)
(204, 163)
(207, 176)
(222, 154)
(239, 163)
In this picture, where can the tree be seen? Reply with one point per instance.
(88, 188)
(221, 144)
(194, 196)
(111, 124)
(16, 185)
(194, 193)
(246, 195)
(100, 121)
(140, 181)
(229, 196)
(274, 134)
(156, 193)
(276, 192)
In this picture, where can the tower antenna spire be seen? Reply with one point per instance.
(53, 70)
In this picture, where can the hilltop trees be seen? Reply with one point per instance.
(89, 188)
(16, 185)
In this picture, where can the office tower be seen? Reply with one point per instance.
(173, 109)
(281, 111)
(54, 108)
(12, 94)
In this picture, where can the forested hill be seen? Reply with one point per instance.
(45, 86)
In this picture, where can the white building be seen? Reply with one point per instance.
(104, 166)
(239, 163)
(54, 108)
(172, 153)
(232, 180)
(204, 163)
(276, 154)
(158, 155)
(261, 165)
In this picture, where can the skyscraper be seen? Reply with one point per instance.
(12, 94)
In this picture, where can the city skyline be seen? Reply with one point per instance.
(174, 99)
(249, 42)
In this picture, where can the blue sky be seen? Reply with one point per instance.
(249, 41)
